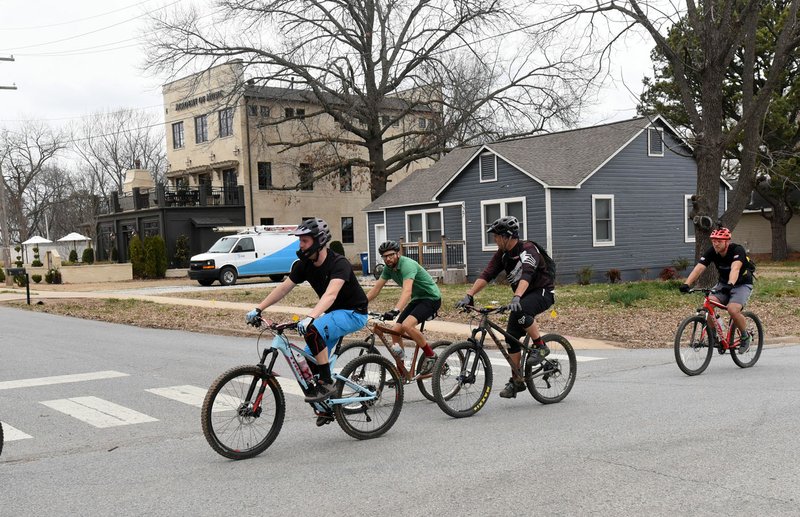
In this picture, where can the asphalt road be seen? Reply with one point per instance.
(635, 437)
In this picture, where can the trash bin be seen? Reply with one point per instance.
(364, 263)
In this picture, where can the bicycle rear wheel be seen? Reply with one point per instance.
(693, 345)
(462, 392)
(371, 418)
(755, 330)
(243, 412)
(454, 365)
(552, 379)
(1, 437)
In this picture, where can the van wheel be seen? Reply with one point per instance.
(205, 282)
(276, 278)
(227, 276)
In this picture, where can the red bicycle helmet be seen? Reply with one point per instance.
(722, 234)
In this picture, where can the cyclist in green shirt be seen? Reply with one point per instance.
(419, 299)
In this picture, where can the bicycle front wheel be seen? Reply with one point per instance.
(243, 412)
(551, 380)
(424, 382)
(364, 419)
(755, 330)
(693, 345)
(462, 379)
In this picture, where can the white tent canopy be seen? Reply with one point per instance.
(74, 236)
(37, 240)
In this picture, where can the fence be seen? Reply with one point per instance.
(444, 254)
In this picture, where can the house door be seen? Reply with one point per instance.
(230, 186)
(380, 237)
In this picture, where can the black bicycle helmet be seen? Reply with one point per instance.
(319, 230)
(508, 226)
(388, 246)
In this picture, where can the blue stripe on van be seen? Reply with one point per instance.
(278, 262)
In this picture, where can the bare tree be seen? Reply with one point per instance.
(370, 64)
(110, 143)
(25, 157)
(722, 29)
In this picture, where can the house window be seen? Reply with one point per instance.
(177, 135)
(493, 209)
(300, 112)
(150, 227)
(348, 235)
(264, 175)
(265, 111)
(252, 110)
(267, 221)
(422, 123)
(688, 235)
(345, 178)
(226, 122)
(288, 112)
(306, 177)
(201, 129)
(602, 220)
(425, 226)
(655, 141)
(488, 167)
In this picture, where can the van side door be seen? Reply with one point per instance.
(243, 252)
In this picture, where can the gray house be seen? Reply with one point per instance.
(615, 196)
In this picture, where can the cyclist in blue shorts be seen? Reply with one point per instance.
(342, 306)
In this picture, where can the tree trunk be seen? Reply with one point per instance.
(377, 170)
(777, 223)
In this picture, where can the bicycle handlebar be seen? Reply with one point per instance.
(484, 310)
(274, 326)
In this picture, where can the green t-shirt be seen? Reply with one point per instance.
(424, 287)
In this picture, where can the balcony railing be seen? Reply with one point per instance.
(444, 254)
(169, 197)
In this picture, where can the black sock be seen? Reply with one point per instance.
(325, 373)
(314, 369)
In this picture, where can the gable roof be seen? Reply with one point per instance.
(558, 160)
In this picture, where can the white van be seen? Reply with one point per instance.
(258, 251)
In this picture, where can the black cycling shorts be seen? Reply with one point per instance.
(533, 303)
(421, 309)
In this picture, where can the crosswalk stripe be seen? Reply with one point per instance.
(11, 433)
(98, 412)
(194, 396)
(60, 379)
(499, 361)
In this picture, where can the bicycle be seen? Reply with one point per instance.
(244, 408)
(694, 343)
(548, 380)
(407, 374)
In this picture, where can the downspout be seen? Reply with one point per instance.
(249, 165)
(548, 220)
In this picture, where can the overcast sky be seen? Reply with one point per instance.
(81, 56)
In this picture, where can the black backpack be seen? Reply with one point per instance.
(749, 267)
(549, 263)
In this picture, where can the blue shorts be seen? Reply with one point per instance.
(336, 324)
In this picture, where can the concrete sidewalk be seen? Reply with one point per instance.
(445, 327)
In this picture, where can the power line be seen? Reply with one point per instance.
(77, 20)
(92, 31)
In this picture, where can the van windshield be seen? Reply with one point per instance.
(223, 245)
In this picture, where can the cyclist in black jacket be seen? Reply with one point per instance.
(532, 285)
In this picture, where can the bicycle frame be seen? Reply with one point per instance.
(487, 327)
(378, 329)
(709, 307)
(280, 344)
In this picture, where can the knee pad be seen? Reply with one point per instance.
(521, 319)
(513, 347)
(314, 340)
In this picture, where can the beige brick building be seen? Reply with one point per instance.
(219, 137)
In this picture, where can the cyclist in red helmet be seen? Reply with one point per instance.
(735, 282)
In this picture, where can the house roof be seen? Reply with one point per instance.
(563, 159)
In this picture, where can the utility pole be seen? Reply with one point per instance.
(4, 215)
